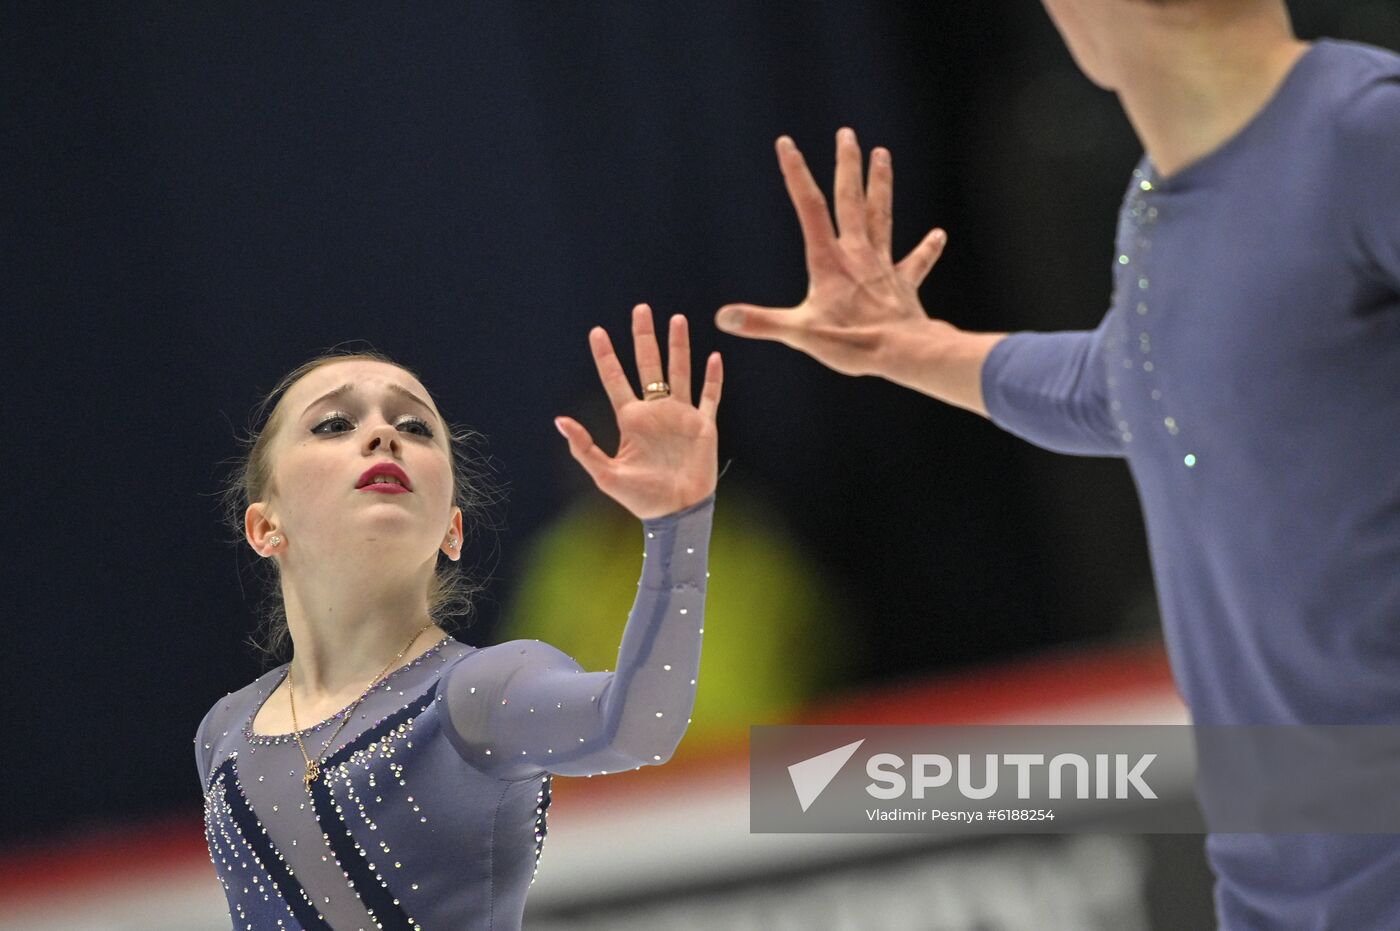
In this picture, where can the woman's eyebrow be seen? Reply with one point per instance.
(350, 389)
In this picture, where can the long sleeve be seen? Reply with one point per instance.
(1049, 389)
(523, 707)
(201, 746)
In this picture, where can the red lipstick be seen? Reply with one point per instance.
(368, 483)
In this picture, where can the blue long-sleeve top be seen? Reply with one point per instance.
(1248, 371)
(430, 811)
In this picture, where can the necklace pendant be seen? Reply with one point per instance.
(312, 772)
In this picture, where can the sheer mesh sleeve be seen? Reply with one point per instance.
(214, 725)
(523, 707)
(201, 749)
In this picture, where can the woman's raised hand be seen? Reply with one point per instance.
(668, 454)
(858, 299)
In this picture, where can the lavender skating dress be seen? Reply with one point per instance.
(430, 809)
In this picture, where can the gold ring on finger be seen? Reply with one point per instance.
(656, 389)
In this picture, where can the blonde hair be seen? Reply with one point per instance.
(451, 591)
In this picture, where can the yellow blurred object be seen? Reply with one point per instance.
(771, 640)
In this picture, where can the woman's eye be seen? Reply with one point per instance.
(427, 431)
(334, 418)
(414, 421)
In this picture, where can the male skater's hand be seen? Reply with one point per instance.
(862, 315)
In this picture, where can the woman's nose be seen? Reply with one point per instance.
(383, 435)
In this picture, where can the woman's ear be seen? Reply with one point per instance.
(452, 544)
(260, 532)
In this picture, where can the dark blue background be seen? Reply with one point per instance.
(198, 197)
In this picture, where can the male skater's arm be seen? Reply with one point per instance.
(862, 316)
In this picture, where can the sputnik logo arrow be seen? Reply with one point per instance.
(811, 777)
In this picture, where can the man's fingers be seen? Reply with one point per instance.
(581, 446)
(879, 201)
(813, 214)
(678, 357)
(610, 369)
(915, 266)
(714, 381)
(755, 322)
(850, 198)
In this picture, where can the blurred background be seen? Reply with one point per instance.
(199, 197)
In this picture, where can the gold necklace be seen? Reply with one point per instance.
(313, 767)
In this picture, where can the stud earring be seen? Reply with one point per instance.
(275, 540)
(452, 543)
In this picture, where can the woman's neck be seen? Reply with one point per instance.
(342, 639)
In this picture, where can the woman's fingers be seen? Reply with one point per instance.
(644, 346)
(879, 201)
(678, 357)
(915, 266)
(610, 368)
(813, 214)
(714, 381)
(581, 446)
(850, 197)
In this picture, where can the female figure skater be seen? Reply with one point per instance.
(390, 776)
(1247, 371)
